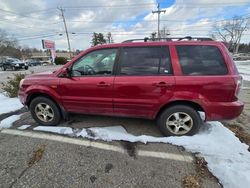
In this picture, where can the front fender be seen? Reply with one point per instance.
(46, 90)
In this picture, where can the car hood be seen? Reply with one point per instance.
(48, 74)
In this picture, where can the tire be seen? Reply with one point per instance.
(188, 124)
(26, 68)
(52, 114)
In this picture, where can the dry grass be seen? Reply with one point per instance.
(240, 133)
(37, 155)
(202, 172)
(201, 167)
(191, 181)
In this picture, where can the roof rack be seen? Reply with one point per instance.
(146, 39)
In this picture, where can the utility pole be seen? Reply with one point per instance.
(159, 11)
(66, 30)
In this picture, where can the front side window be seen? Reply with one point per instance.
(201, 60)
(145, 61)
(99, 62)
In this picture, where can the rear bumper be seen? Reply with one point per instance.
(224, 110)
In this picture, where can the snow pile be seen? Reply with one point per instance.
(228, 159)
(23, 127)
(9, 104)
(244, 69)
(58, 130)
(7, 123)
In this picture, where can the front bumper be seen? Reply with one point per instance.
(22, 96)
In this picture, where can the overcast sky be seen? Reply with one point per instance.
(32, 21)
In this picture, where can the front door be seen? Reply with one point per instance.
(90, 86)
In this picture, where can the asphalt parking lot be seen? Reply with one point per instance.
(35, 69)
(73, 164)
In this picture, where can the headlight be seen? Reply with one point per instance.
(16, 65)
(21, 83)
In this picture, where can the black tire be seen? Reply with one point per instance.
(26, 68)
(57, 115)
(181, 109)
(3, 68)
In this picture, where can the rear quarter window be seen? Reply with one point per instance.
(201, 60)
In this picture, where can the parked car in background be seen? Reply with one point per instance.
(32, 62)
(13, 64)
(170, 81)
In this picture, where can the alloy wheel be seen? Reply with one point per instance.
(44, 112)
(179, 123)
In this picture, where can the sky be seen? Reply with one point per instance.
(31, 21)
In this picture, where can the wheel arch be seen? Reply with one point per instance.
(32, 96)
(191, 104)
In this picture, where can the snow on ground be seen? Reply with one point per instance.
(9, 104)
(7, 122)
(244, 69)
(58, 130)
(23, 127)
(228, 159)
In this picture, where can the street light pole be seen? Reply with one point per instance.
(159, 11)
(66, 30)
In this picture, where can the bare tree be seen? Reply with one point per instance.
(110, 38)
(231, 31)
(6, 40)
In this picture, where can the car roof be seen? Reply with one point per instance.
(156, 43)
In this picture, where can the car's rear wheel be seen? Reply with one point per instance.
(45, 111)
(179, 120)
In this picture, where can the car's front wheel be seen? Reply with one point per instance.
(179, 120)
(45, 111)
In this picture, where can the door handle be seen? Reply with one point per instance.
(160, 84)
(103, 84)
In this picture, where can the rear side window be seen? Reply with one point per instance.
(145, 61)
(201, 60)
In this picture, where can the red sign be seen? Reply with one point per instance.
(47, 44)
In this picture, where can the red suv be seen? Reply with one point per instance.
(170, 81)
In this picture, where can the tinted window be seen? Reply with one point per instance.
(145, 61)
(98, 62)
(201, 60)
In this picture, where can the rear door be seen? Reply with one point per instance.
(143, 82)
(205, 72)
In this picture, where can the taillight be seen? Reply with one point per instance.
(238, 85)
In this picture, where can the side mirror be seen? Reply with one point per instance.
(65, 73)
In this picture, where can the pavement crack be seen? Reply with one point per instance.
(37, 155)
(20, 175)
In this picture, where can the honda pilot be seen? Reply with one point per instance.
(170, 81)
